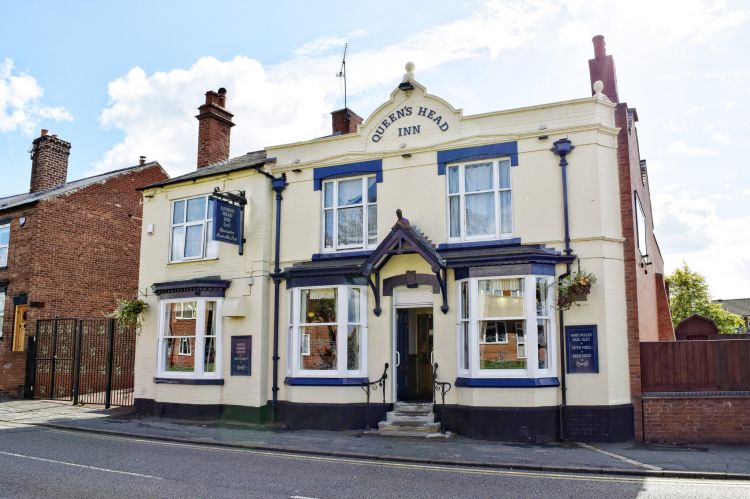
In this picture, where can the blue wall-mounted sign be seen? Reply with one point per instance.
(241, 352)
(582, 352)
(229, 220)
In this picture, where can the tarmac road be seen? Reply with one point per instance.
(43, 462)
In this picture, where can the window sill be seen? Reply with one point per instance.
(188, 381)
(297, 381)
(507, 382)
(178, 262)
(484, 243)
(341, 254)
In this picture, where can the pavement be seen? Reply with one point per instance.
(626, 458)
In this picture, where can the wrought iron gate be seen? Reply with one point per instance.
(85, 361)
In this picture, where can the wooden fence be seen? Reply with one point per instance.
(700, 365)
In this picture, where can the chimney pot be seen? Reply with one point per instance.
(600, 47)
(142, 160)
(602, 68)
(44, 132)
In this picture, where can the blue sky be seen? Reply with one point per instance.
(119, 80)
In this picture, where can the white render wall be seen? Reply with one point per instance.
(412, 184)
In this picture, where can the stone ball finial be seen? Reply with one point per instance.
(598, 87)
(409, 76)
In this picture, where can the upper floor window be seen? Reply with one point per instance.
(4, 242)
(191, 229)
(640, 221)
(2, 311)
(479, 200)
(350, 219)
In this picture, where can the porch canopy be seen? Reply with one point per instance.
(404, 240)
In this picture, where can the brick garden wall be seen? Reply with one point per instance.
(696, 418)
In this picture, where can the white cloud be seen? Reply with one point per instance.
(691, 228)
(729, 105)
(720, 138)
(679, 148)
(696, 109)
(20, 101)
(291, 100)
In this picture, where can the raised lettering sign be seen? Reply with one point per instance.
(405, 112)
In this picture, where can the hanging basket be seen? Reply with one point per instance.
(128, 313)
(574, 288)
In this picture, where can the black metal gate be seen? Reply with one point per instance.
(86, 361)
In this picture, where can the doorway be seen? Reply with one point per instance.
(414, 341)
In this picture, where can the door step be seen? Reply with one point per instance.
(410, 419)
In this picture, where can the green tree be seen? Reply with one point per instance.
(688, 295)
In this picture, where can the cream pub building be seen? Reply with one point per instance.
(421, 244)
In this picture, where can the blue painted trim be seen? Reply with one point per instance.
(507, 382)
(480, 244)
(365, 167)
(325, 381)
(340, 255)
(478, 152)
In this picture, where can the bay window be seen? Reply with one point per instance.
(350, 219)
(191, 228)
(493, 327)
(189, 338)
(327, 331)
(479, 200)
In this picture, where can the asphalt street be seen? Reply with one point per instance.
(42, 462)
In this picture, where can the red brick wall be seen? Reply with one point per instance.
(12, 364)
(76, 254)
(49, 163)
(696, 419)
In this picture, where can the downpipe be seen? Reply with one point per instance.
(562, 148)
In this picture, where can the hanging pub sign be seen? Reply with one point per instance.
(582, 350)
(229, 217)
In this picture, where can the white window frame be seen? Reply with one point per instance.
(461, 194)
(200, 333)
(342, 330)
(335, 208)
(530, 340)
(2, 311)
(209, 248)
(3, 227)
(496, 342)
(180, 310)
(187, 350)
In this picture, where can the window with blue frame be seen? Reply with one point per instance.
(350, 219)
(479, 200)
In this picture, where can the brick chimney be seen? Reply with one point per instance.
(215, 124)
(602, 67)
(345, 121)
(49, 162)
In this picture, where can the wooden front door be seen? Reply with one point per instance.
(19, 329)
(424, 356)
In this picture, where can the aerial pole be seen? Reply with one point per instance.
(342, 73)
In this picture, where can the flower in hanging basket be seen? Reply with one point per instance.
(573, 288)
(128, 313)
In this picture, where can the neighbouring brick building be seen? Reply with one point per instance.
(67, 249)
